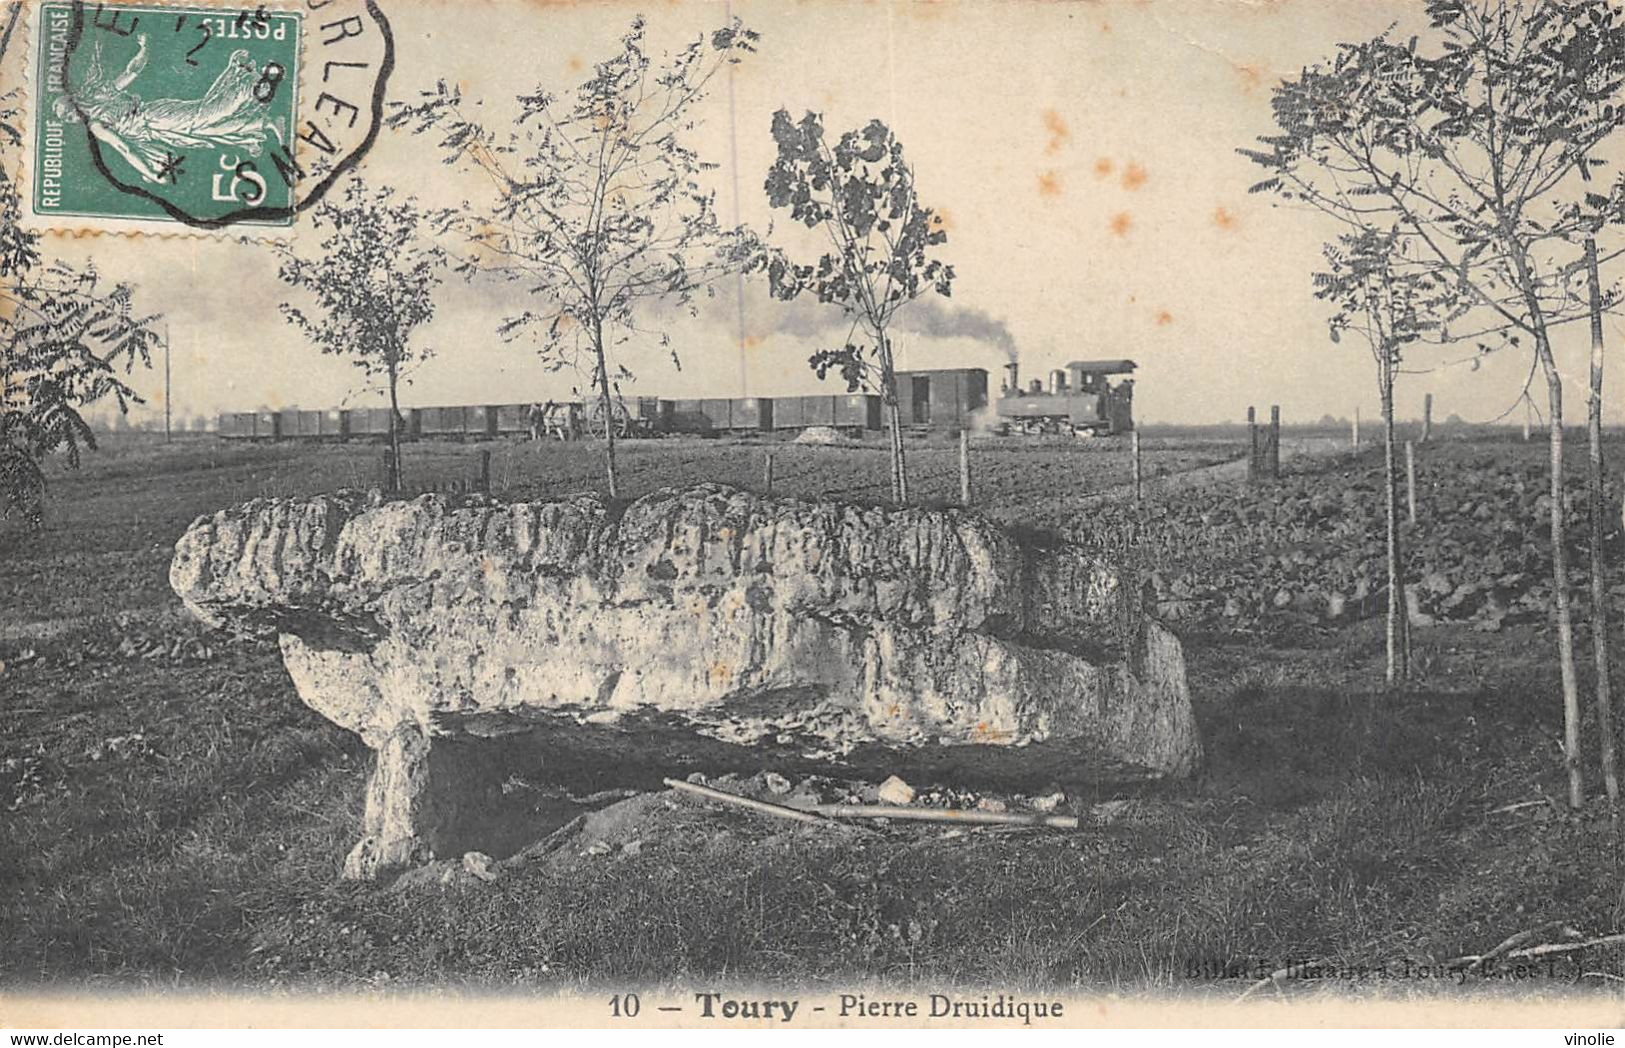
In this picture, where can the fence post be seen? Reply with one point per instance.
(1526, 422)
(1275, 440)
(1252, 438)
(964, 467)
(1354, 433)
(391, 482)
(767, 473)
(1134, 446)
(1427, 417)
(1410, 477)
(485, 471)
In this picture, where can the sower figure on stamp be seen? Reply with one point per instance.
(149, 135)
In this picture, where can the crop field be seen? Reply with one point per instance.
(172, 815)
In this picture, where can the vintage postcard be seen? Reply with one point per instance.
(912, 514)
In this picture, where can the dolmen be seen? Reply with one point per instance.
(470, 641)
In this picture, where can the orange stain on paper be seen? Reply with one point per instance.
(1104, 167)
(1059, 134)
(1224, 219)
(1121, 223)
(1133, 177)
(1049, 184)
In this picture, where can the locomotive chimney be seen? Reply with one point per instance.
(1015, 377)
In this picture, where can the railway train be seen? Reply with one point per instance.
(945, 399)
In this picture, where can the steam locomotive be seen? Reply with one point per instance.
(1081, 400)
(947, 399)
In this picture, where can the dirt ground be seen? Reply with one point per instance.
(174, 816)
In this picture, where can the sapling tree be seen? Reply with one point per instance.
(859, 195)
(1479, 145)
(598, 210)
(1597, 302)
(372, 280)
(1390, 302)
(67, 341)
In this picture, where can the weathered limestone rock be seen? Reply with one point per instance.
(798, 629)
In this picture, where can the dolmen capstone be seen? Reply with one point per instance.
(445, 630)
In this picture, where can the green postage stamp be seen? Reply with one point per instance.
(146, 111)
(148, 116)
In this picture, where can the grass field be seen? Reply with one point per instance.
(172, 815)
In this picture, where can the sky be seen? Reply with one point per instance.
(1082, 155)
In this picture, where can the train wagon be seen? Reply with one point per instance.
(751, 414)
(651, 415)
(267, 425)
(513, 420)
(287, 421)
(941, 399)
(852, 411)
(331, 426)
(800, 412)
(708, 415)
(722, 415)
(479, 422)
(367, 422)
(236, 425)
(442, 423)
(312, 425)
(856, 411)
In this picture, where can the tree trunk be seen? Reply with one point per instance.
(1560, 577)
(604, 406)
(1398, 632)
(1596, 507)
(394, 478)
(894, 420)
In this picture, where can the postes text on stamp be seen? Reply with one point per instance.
(141, 107)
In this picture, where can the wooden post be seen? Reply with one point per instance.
(964, 467)
(390, 481)
(1134, 445)
(1427, 417)
(1526, 413)
(1275, 440)
(1410, 477)
(767, 473)
(1354, 430)
(166, 386)
(1252, 439)
(485, 471)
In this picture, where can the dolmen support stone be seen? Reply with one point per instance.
(451, 631)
